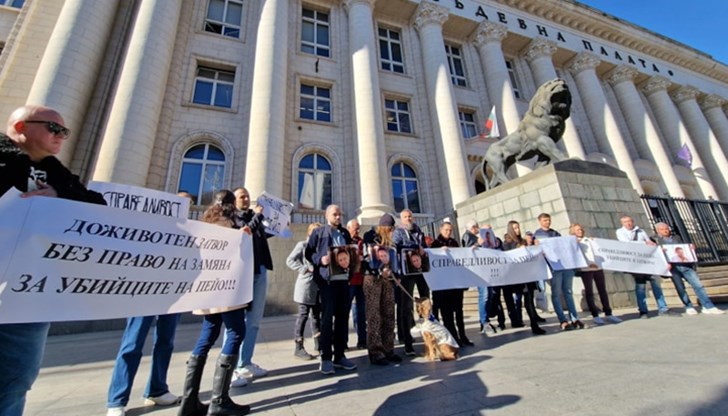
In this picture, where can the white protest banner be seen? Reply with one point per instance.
(467, 267)
(277, 213)
(135, 198)
(629, 257)
(563, 253)
(90, 261)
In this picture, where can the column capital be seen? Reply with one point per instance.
(539, 48)
(685, 93)
(583, 61)
(348, 4)
(711, 101)
(489, 32)
(656, 83)
(621, 74)
(429, 13)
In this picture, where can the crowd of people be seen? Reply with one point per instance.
(339, 271)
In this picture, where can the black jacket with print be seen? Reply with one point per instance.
(16, 167)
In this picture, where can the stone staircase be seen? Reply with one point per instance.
(714, 278)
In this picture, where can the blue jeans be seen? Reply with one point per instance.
(640, 290)
(683, 272)
(562, 282)
(358, 313)
(254, 316)
(21, 352)
(482, 299)
(130, 355)
(212, 325)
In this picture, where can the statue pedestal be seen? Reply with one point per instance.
(592, 194)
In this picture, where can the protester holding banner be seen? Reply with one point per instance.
(680, 271)
(408, 236)
(306, 295)
(592, 274)
(334, 291)
(511, 241)
(450, 300)
(252, 220)
(561, 280)
(632, 233)
(221, 212)
(356, 291)
(35, 135)
(471, 238)
(380, 271)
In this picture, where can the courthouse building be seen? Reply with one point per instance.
(377, 105)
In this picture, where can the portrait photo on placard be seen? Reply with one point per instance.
(680, 253)
(343, 260)
(383, 257)
(415, 263)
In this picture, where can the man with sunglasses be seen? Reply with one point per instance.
(35, 135)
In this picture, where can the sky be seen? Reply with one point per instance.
(700, 24)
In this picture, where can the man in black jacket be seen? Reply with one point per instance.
(35, 135)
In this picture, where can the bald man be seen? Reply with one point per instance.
(35, 135)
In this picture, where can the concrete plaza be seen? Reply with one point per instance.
(670, 365)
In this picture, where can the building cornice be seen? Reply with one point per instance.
(596, 23)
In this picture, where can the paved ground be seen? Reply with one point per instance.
(675, 365)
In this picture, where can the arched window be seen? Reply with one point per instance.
(404, 188)
(314, 182)
(203, 173)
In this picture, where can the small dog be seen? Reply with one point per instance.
(439, 343)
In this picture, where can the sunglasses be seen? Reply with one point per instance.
(52, 127)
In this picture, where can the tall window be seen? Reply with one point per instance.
(467, 124)
(12, 3)
(224, 17)
(514, 79)
(315, 103)
(314, 182)
(213, 87)
(404, 188)
(390, 50)
(315, 33)
(203, 173)
(398, 117)
(455, 63)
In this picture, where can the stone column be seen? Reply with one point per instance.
(428, 21)
(640, 125)
(538, 54)
(488, 37)
(712, 106)
(80, 36)
(602, 120)
(674, 131)
(368, 115)
(264, 170)
(131, 130)
(703, 138)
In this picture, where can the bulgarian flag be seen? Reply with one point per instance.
(491, 126)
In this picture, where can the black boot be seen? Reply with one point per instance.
(300, 352)
(221, 404)
(191, 405)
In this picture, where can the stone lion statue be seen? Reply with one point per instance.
(542, 126)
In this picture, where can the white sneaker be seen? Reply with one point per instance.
(614, 319)
(690, 310)
(597, 320)
(116, 411)
(713, 311)
(252, 371)
(167, 399)
(238, 380)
